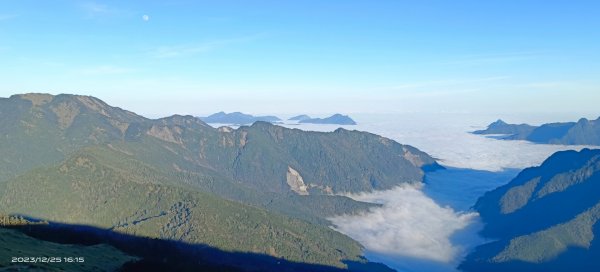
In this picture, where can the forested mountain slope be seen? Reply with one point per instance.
(545, 219)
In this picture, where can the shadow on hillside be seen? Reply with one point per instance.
(169, 255)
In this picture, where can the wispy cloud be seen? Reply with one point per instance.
(5, 17)
(183, 50)
(476, 60)
(95, 9)
(559, 85)
(197, 48)
(445, 83)
(104, 70)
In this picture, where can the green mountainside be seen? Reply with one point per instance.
(260, 189)
(105, 189)
(543, 220)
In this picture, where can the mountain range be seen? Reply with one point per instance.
(582, 132)
(545, 219)
(259, 189)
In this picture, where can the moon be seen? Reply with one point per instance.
(146, 18)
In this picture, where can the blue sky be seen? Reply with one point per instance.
(198, 57)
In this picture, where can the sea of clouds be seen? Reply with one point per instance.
(430, 227)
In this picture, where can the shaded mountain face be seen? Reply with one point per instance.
(237, 118)
(583, 132)
(261, 188)
(543, 220)
(336, 119)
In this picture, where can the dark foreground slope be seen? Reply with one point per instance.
(86, 248)
(258, 189)
(582, 132)
(17, 250)
(545, 219)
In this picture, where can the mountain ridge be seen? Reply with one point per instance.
(582, 132)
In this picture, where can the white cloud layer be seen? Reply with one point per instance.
(409, 224)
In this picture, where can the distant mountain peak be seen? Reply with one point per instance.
(336, 119)
(238, 118)
(299, 117)
(583, 120)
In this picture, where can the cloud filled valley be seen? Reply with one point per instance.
(431, 226)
